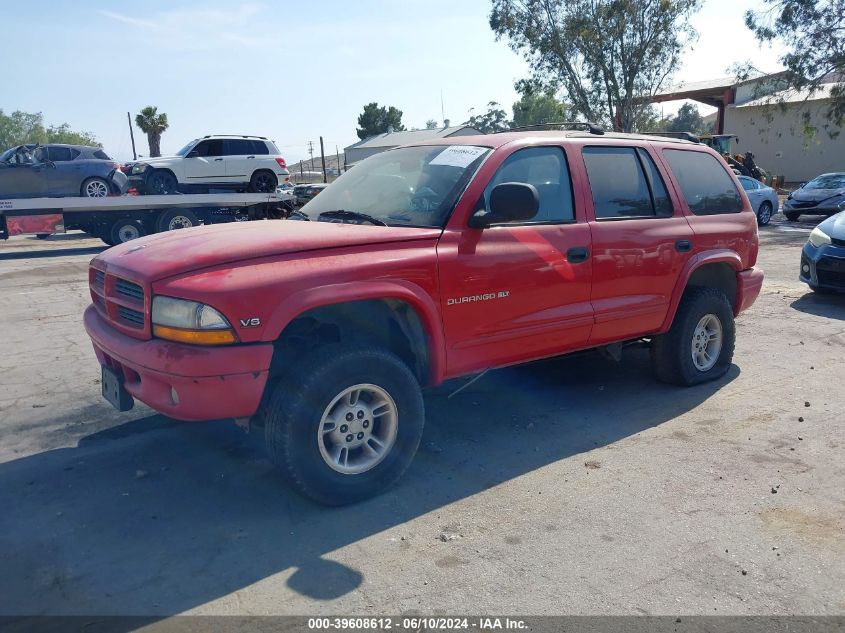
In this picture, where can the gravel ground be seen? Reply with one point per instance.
(573, 486)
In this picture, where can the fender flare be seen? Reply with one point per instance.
(720, 256)
(310, 298)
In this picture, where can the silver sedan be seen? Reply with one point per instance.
(764, 199)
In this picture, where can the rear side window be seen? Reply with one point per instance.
(707, 187)
(60, 154)
(259, 148)
(748, 184)
(238, 147)
(100, 154)
(546, 169)
(625, 183)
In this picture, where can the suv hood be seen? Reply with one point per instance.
(163, 255)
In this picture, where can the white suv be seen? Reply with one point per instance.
(249, 163)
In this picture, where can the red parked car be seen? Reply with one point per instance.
(424, 263)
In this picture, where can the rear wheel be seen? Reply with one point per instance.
(700, 344)
(347, 425)
(162, 182)
(792, 216)
(263, 181)
(177, 219)
(95, 188)
(125, 230)
(764, 213)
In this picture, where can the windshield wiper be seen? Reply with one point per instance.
(342, 213)
(300, 214)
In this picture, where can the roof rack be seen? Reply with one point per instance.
(687, 136)
(591, 127)
(263, 138)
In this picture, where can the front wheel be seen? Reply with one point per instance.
(95, 188)
(764, 213)
(161, 183)
(792, 217)
(347, 426)
(176, 219)
(700, 344)
(125, 230)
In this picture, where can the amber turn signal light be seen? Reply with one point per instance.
(194, 337)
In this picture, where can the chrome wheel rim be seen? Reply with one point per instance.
(96, 189)
(179, 222)
(358, 429)
(765, 213)
(128, 232)
(706, 342)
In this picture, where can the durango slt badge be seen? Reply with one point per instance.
(473, 298)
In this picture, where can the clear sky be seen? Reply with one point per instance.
(291, 71)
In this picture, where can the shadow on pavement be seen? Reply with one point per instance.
(52, 252)
(156, 517)
(830, 305)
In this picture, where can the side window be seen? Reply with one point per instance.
(625, 183)
(100, 154)
(59, 154)
(707, 187)
(546, 169)
(259, 148)
(238, 147)
(748, 184)
(212, 147)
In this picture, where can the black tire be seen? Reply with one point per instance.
(791, 216)
(43, 236)
(764, 213)
(263, 181)
(107, 240)
(672, 353)
(161, 182)
(95, 188)
(125, 230)
(822, 291)
(292, 421)
(176, 219)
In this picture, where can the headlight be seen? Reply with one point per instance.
(819, 237)
(138, 168)
(190, 322)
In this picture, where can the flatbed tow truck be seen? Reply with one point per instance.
(118, 219)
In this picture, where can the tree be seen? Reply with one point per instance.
(492, 121)
(688, 119)
(814, 32)
(431, 124)
(377, 119)
(20, 127)
(153, 125)
(537, 108)
(607, 56)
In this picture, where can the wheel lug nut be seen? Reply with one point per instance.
(360, 414)
(344, 428)
(360, 436)
(366, 423)
(350, 437)
(349, 417)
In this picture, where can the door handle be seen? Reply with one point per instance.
(577, 255)
(217, 159)
(250, 156)
(683, 246)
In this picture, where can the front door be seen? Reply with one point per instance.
(641, 241)
(517, 291)
(208, 166)
(23, 178)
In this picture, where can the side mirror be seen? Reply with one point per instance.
(509, 202)
(192, 154)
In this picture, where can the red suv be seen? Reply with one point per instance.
(420, 264)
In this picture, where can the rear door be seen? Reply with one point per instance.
(518, 291)
(64, 175)
(641, 241)
(240, 159)
(208, 165)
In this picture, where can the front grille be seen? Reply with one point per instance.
(99, 278)
(803, 205)
(133, 317)
(128, 289)
(838, 242)
(830, 271)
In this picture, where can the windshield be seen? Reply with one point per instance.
(7, 155)
(187, 148)
(412, 186)
(828, 181)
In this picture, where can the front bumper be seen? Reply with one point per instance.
(119, 182)
(820, 209)
(823, 266)
(748, 285)
(210, 382)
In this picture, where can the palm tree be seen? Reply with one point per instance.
(153, 125)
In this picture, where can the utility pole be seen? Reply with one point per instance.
(323, 158)
(132, 136)
(337, 158)
(311, 152)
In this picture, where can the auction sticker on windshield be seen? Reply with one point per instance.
(458, 155)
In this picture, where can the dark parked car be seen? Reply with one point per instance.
(823, 257)
(305, 193)
(823, 195)
(32, 171)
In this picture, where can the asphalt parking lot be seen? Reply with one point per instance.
(577, 486)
